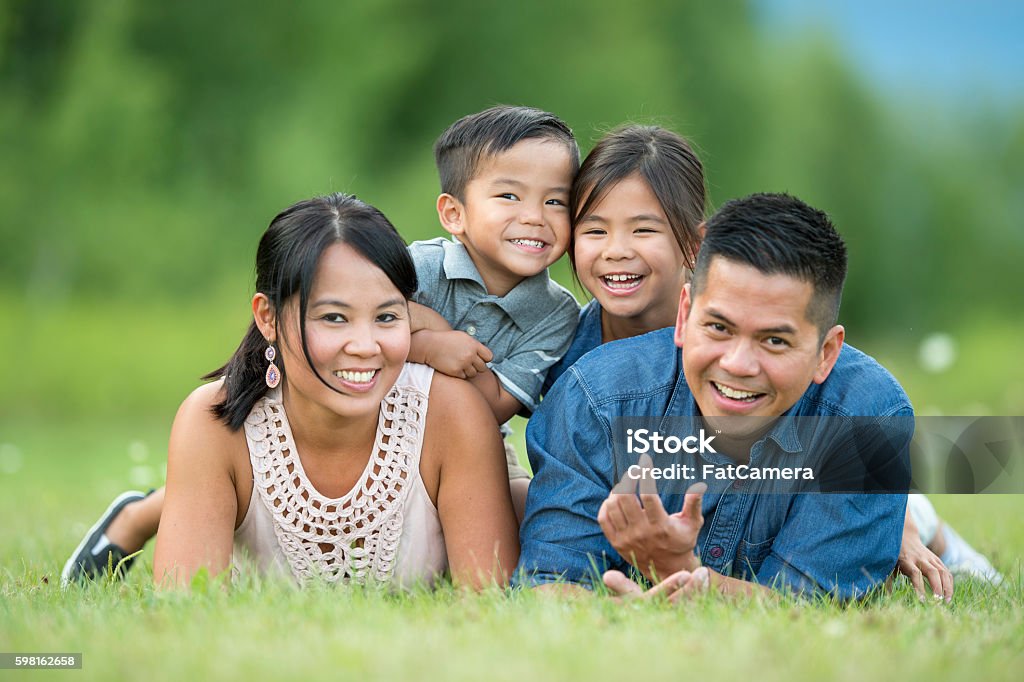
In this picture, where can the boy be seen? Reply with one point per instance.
(486, 298)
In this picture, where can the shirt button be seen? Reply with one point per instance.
(736, 485)
(471, 330)
(716, 552)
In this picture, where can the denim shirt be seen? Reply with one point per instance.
(842, 544)
(587, 338)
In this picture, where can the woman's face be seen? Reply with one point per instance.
(357, 333)
(628, 258)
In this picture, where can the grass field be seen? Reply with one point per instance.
(56, 479)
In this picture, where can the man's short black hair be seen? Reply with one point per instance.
(779, 235)
(461, 148)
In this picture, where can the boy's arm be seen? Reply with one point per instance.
(424, 317)
(503, 404)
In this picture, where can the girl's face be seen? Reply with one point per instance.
(357, 333)
(628, 258)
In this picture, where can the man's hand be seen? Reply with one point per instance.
(454, 353)
(677, 586)
(917, 562)
(657, 543)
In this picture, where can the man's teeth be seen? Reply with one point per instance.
(621, 281)
(734, 394)
(355, 377)
(535, 243)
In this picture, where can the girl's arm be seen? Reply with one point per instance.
(473, 499)
(198, 519)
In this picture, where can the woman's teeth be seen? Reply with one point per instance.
(745, 396)
(533, 243)
(621, 281)
(355, 377)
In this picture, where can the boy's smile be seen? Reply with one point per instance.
(514, 220)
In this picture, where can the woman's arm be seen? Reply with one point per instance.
(198, 519)
(473, 499)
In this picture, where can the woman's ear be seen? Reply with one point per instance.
(265, 316)
(452, 214)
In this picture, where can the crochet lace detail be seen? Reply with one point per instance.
(353, 538)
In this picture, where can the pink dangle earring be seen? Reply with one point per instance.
(273, 377)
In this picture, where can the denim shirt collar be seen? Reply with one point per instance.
(519, 303)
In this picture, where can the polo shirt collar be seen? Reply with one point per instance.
(521, 304)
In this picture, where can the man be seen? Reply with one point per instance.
(757, 328)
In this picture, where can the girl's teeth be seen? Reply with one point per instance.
(735, 394)
(355, 377)
(621, 281)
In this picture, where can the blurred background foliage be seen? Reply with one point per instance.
(145, 146)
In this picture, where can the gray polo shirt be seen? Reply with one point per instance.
(528, 329)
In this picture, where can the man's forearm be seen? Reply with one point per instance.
(734, 586)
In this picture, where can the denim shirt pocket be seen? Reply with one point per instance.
(749, 557)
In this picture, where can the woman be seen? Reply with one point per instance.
(318, 450)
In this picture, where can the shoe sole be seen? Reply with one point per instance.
(119, 503)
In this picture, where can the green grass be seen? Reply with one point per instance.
(61, 475)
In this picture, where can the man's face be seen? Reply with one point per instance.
(748, 347)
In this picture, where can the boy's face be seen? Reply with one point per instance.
(515, 218)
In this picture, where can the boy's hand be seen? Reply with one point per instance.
(454, 353)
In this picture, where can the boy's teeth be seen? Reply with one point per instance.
(535, 243)
(355, 377)
(735, 394)
(621, 281)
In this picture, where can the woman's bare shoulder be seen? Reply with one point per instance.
(197, 428)
(456, 403)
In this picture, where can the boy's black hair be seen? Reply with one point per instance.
(286, 262)
(779, 235)
(461, 148)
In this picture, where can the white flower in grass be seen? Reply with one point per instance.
(937, 352)
(138, 451)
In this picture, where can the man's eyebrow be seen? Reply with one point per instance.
(711, 312)
(781, 329)
(341, 304)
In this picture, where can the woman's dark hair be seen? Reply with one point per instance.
(664, 160)
(286, 262)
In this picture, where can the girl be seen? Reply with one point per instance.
(318, 449)
(638, 206)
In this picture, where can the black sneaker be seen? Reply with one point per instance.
(95, 553)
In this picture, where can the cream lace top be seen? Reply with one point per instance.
(383, 531)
